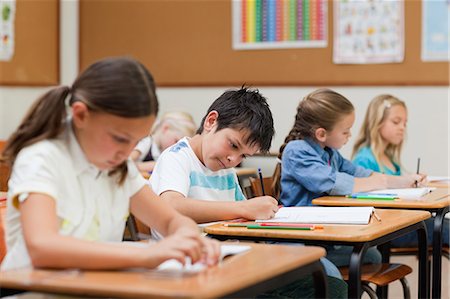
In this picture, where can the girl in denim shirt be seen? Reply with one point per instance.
(311, 165)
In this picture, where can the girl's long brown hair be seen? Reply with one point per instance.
(322, 108)
(120, 86)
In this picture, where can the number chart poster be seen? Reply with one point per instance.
(368, 31)
(278, 24)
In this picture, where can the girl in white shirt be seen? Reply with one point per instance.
(72, 186)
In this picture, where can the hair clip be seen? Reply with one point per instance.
(387, 104)
(279, 160)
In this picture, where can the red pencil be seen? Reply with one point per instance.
(291, 224)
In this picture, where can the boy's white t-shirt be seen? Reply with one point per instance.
(90, 205)
(179, 169)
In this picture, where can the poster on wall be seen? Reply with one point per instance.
(8, 10)
(368, 31)
(435, 30)
(278, 24)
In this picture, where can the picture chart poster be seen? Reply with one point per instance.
(368, 31)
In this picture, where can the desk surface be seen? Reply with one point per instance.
(437, 199)
(237, 272)
(391, 221)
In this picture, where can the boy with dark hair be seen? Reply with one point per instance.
(197, 176)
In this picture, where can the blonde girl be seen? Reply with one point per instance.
(380, 139)
(311, 165)
(170, 128)
(379, 145)
(72, 186)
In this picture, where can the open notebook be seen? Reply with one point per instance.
(406, 193)
(323, 215)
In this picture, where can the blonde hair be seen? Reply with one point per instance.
(322, 108)
(178, 121)
(369, 135)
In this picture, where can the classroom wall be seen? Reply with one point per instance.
(429, 111)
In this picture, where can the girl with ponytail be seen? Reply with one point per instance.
(311, 166)
(72, 185)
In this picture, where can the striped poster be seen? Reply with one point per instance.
(262, 24)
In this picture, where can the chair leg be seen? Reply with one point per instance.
(405, 285)
(366, 288)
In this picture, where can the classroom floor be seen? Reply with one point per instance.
(395, 288)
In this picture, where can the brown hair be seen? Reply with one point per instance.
(119, 86)
(322, 108)
(369, 135)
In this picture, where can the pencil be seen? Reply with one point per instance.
(262, 181)
(418, 169)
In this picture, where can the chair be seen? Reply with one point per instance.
(379, 274)
(4, 170)
(2, 227)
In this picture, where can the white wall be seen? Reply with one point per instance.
(428, 125)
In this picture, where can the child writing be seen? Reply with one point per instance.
(72, 186)
(311, 165)
(378, 147)
(197, 175)
(167, 131)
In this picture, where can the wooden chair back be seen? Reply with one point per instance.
(4, 170)
(2, 225)
(256, 188)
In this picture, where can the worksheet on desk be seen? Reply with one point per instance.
(405, 193)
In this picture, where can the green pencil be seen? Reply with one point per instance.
(256, 226)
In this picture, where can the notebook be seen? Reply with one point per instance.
(322, 215)
(406, 193)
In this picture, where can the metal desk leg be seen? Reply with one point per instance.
(437, 252)
(354, 278)
(424, 274)
(385, 250)
(320, 281)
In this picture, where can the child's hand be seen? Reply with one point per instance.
(211, 251)
(407, 181)
(261, 207)
(182, 244)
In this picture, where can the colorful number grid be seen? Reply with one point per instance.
(279, 23)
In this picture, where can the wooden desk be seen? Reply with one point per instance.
(439, 184)
(361, 237)
(263, 268)
(437, 201)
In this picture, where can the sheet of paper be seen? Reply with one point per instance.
(431, 178)
(323, 215)
(405, 193)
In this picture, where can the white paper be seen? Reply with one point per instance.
(431, 178)
(323, 215)
(225, 250)
(406, 193)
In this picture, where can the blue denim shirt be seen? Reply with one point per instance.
(308, 171)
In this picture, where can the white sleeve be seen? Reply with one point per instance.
(134, 180)
(143, 147)
(36, 170)
(171, 173)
